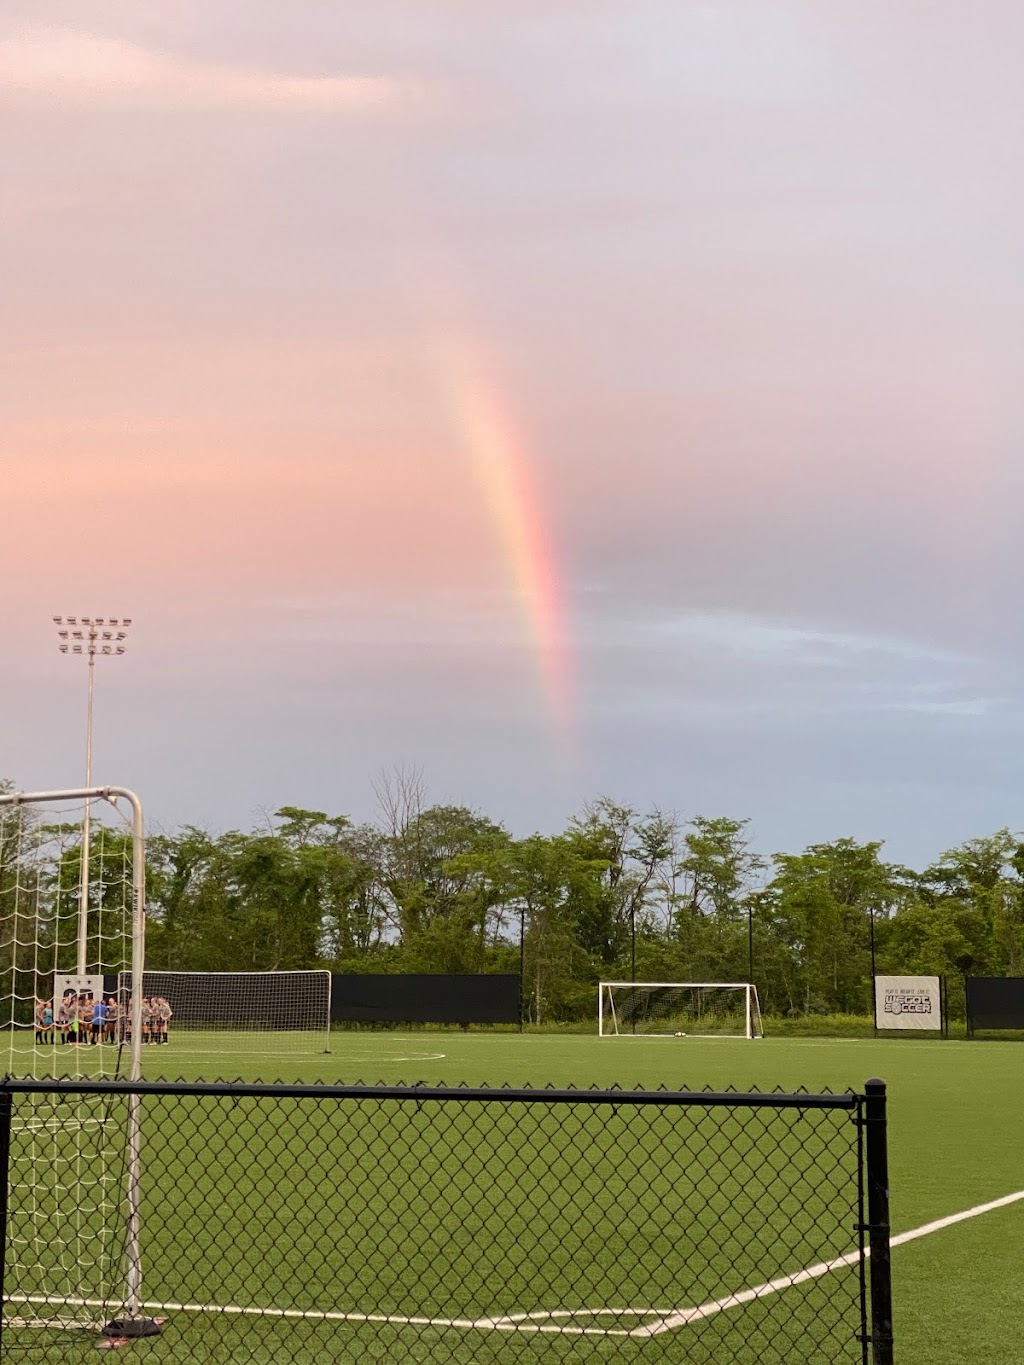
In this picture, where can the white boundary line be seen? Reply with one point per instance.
(815, 1272)
(948, 1222)
(545, 1320)
(184, 1054)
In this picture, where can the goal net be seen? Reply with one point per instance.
(72, 912)
(650, 1009)
(258, 1013)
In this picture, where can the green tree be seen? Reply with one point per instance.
(819, 906)
(716, 878)
(987, 876)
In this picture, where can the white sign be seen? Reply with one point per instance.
(76, 986)
(908, 1002)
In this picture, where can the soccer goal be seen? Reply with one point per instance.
(72, 923)
(261, 1014)
(678, 1009)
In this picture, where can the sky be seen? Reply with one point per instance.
(564, 397)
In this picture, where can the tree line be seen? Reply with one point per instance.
(618, 894)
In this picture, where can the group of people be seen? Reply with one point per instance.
(156, 1019)
(82, 1019)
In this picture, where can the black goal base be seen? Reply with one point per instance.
(133, 1327)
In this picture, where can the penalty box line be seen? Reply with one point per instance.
(544, 1321)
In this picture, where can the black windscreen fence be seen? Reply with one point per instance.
(415, 999)
(995, 1002)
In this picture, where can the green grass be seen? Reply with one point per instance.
(567, 1220)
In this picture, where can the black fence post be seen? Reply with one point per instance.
(876, 1151)
(6, 1111)
(522, 962)
(874, 987)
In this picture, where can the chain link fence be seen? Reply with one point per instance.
(275, 1223)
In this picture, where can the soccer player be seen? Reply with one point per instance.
(38, 1015)
(66, 1016)
(113, 1017)
(164, 1015)
(84, 1031)
(147, 1020)
(48, 1036)
(99, 1021)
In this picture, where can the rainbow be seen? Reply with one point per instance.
(509, 490)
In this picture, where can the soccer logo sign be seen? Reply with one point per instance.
(76, 988)
(908, 1002)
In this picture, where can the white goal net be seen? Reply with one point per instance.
(258, 1014)
(671, 1009)
(71, 927)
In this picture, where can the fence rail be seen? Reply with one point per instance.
(310, 1223)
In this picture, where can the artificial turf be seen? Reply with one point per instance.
(573, 1210)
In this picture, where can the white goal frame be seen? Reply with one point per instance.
(608, 1022)
(131, 1297)
(318, 1029)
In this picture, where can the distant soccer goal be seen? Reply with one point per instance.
(264, 1013)
(679, 1009)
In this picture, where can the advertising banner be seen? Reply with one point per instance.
(908, 1002)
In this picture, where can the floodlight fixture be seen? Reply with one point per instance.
(87, 637)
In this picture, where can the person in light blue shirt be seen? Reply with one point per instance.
(99, 1020)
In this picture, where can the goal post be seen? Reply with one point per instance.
(72, 925)
(678, 1009)
(265, 1013)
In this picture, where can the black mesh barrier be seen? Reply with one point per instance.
(415, 999)
(240, 1000)
(995, 1002)
(383, 1224)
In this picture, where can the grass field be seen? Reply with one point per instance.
(955, 1142)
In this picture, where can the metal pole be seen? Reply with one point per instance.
(522, 962)
(86, 637)
(877, 1154)
(750, 943)
(83, 899)
(874, 996)
(6, 1111)
(134, 1240)
(632, 960)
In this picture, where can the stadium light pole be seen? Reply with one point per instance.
(89, 637)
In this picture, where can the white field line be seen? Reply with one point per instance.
(545, 1320)
(183, 1054)
(815, 1272)
(940, 1223)
(398, 1319)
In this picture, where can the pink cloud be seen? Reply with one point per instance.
(86, 69)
